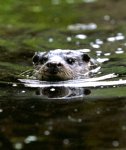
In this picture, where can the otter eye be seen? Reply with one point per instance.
(70, 61)
(86, 58)
(35, 59)
(43, 60)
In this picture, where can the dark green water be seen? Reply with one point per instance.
(90, 118)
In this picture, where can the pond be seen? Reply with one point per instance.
(75, 114)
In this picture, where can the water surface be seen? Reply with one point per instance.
(77, 114)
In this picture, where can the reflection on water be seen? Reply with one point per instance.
(62, 117)
(78, 26)
(85, 114)
(118, 37)
(70, 93)
(80, 83)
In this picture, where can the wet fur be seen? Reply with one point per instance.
(67, 71)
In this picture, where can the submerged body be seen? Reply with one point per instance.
(60, 65)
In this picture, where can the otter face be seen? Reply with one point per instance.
(60, 65)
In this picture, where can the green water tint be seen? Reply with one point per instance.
(62, 118)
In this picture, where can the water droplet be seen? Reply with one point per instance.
(50, 40)
(106, 17)
(98, 52)
(107, 54)
(47, 132)
(27, 76)
(124, 128)
(71, 119)
(101, 60)
(69, 39)
(115, 143)
(79, 120)
(98, 112)
(66, 141)
(18, 145)
(30, 138)
(52, 89)
(119, 49)
(94, 45)
(81, 36)
(1, 110)
(119, 52)
(75, 110)
(111, 39)
(14, 85)
(120, 37)
(99, 42)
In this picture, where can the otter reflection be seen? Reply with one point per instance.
(62, 92)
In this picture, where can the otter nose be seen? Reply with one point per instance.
(53, 67)
(53, 64)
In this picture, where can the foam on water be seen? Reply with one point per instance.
(91, 82)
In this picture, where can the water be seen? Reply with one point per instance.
(76, 114)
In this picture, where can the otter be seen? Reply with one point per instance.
(60, 65)
(62, 92)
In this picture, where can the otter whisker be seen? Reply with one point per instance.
(26, 73)
(91, 71)
(62, 65)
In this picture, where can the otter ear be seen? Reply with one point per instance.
(35, 58)
(86, 57)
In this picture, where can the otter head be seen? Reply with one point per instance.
(60, 65)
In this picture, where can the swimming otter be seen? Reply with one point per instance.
(57, 65)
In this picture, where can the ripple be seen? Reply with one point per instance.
(118, 37)
(107, 54)
(91, 82)
(79, 26)
(94, 45)
(119, 51)
(101, 60)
